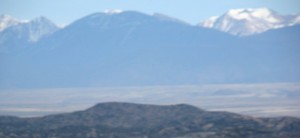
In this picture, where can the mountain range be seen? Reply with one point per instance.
(128, 120)
(245, 22)
(130, 48)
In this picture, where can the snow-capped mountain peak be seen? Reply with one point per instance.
(209, 23)
(113, 11)
(41, 19)
(262, 13)
(244, 22)
(252, 14)
(239, 14)
(40, 27)
(29, 30)
(7, 21)
(246, 13)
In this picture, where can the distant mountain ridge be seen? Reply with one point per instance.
(26, 30)
(127, 120)
(130, 48)
(245, 22)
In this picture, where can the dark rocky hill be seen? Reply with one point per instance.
(126, 120)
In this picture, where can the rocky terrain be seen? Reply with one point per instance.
(127, 120)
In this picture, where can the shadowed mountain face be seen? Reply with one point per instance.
(126, 120)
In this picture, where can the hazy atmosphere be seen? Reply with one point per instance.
(211, 69)
(229, 59)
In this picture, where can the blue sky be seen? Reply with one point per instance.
(192, 11)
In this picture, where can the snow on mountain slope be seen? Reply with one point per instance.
(244, 22)
(39, 27)
(113, 11)
(31, 31)
(7, 21)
